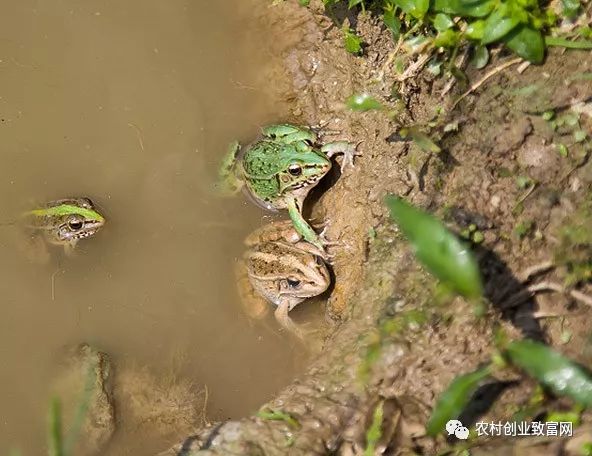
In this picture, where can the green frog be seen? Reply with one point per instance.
(280, 268)
(280, 169)
(63, 222)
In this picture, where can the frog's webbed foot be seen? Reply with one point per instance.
(348, 150)
(229, 183)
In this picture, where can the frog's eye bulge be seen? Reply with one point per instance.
(295, 169)
(75, 223)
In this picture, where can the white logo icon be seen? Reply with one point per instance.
(455, 427)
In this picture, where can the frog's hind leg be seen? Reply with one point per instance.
(228, 182)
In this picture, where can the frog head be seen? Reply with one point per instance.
(277, 172)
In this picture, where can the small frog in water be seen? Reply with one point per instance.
(63, 222)
(279, 267)
(281, 168)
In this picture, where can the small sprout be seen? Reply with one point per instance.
(363, 102)
(562, 149)
(304, 2)
(524, 182)
(278, 415)
(579, 135)
(374, 432)
(523, 228)
(353, 43)
(439, 250)
(478, 237)
(553, 370)
(548, 115)
(422, 140)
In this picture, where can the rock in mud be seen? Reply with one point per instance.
(85, 382)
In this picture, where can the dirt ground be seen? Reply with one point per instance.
(502, 176)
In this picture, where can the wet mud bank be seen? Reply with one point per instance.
(504, 172)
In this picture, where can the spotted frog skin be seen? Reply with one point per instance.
(280, 268)
(281, 168)
(64, 222)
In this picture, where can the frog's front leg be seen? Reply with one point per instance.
(302, 226)
(228, 181)
(282, 317)
(342, 147)
(288, 134)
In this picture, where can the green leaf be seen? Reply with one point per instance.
(353, 3)
(475, 30)
(479, 8)
(497, 26)
(439, 250)
(392, 22)
(553, 370)
(480, 57)
(454, 399)
(416, 8)
(303, 2)
(55, 445)
(363, 102)
(442, 22)
(562, 42)
(527, 43)
(570, 8)
(447, 38)
(353, 43)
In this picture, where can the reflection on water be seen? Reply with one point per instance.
(131, 103)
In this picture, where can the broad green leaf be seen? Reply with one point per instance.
(439, 250)
(497, 26)
(480, 57)
(480, 8)
(304, 2)
(475, 30)
(454, 399)
(392, 22)
(416, 8)
(447, 38)
(553, 370)
(527, 43)
(353, 43)
(363, 102)
(442, 22)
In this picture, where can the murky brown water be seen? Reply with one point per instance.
(131, 103)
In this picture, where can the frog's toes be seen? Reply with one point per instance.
(350, 151)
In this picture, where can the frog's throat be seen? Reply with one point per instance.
(67, 209)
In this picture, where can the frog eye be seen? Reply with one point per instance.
(295, 169)
(75, 223)
(319, 260)
(293, 283)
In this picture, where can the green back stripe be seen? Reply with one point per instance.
(67, 209)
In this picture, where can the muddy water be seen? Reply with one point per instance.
(131, 103)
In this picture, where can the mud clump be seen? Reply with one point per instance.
(85, 384)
